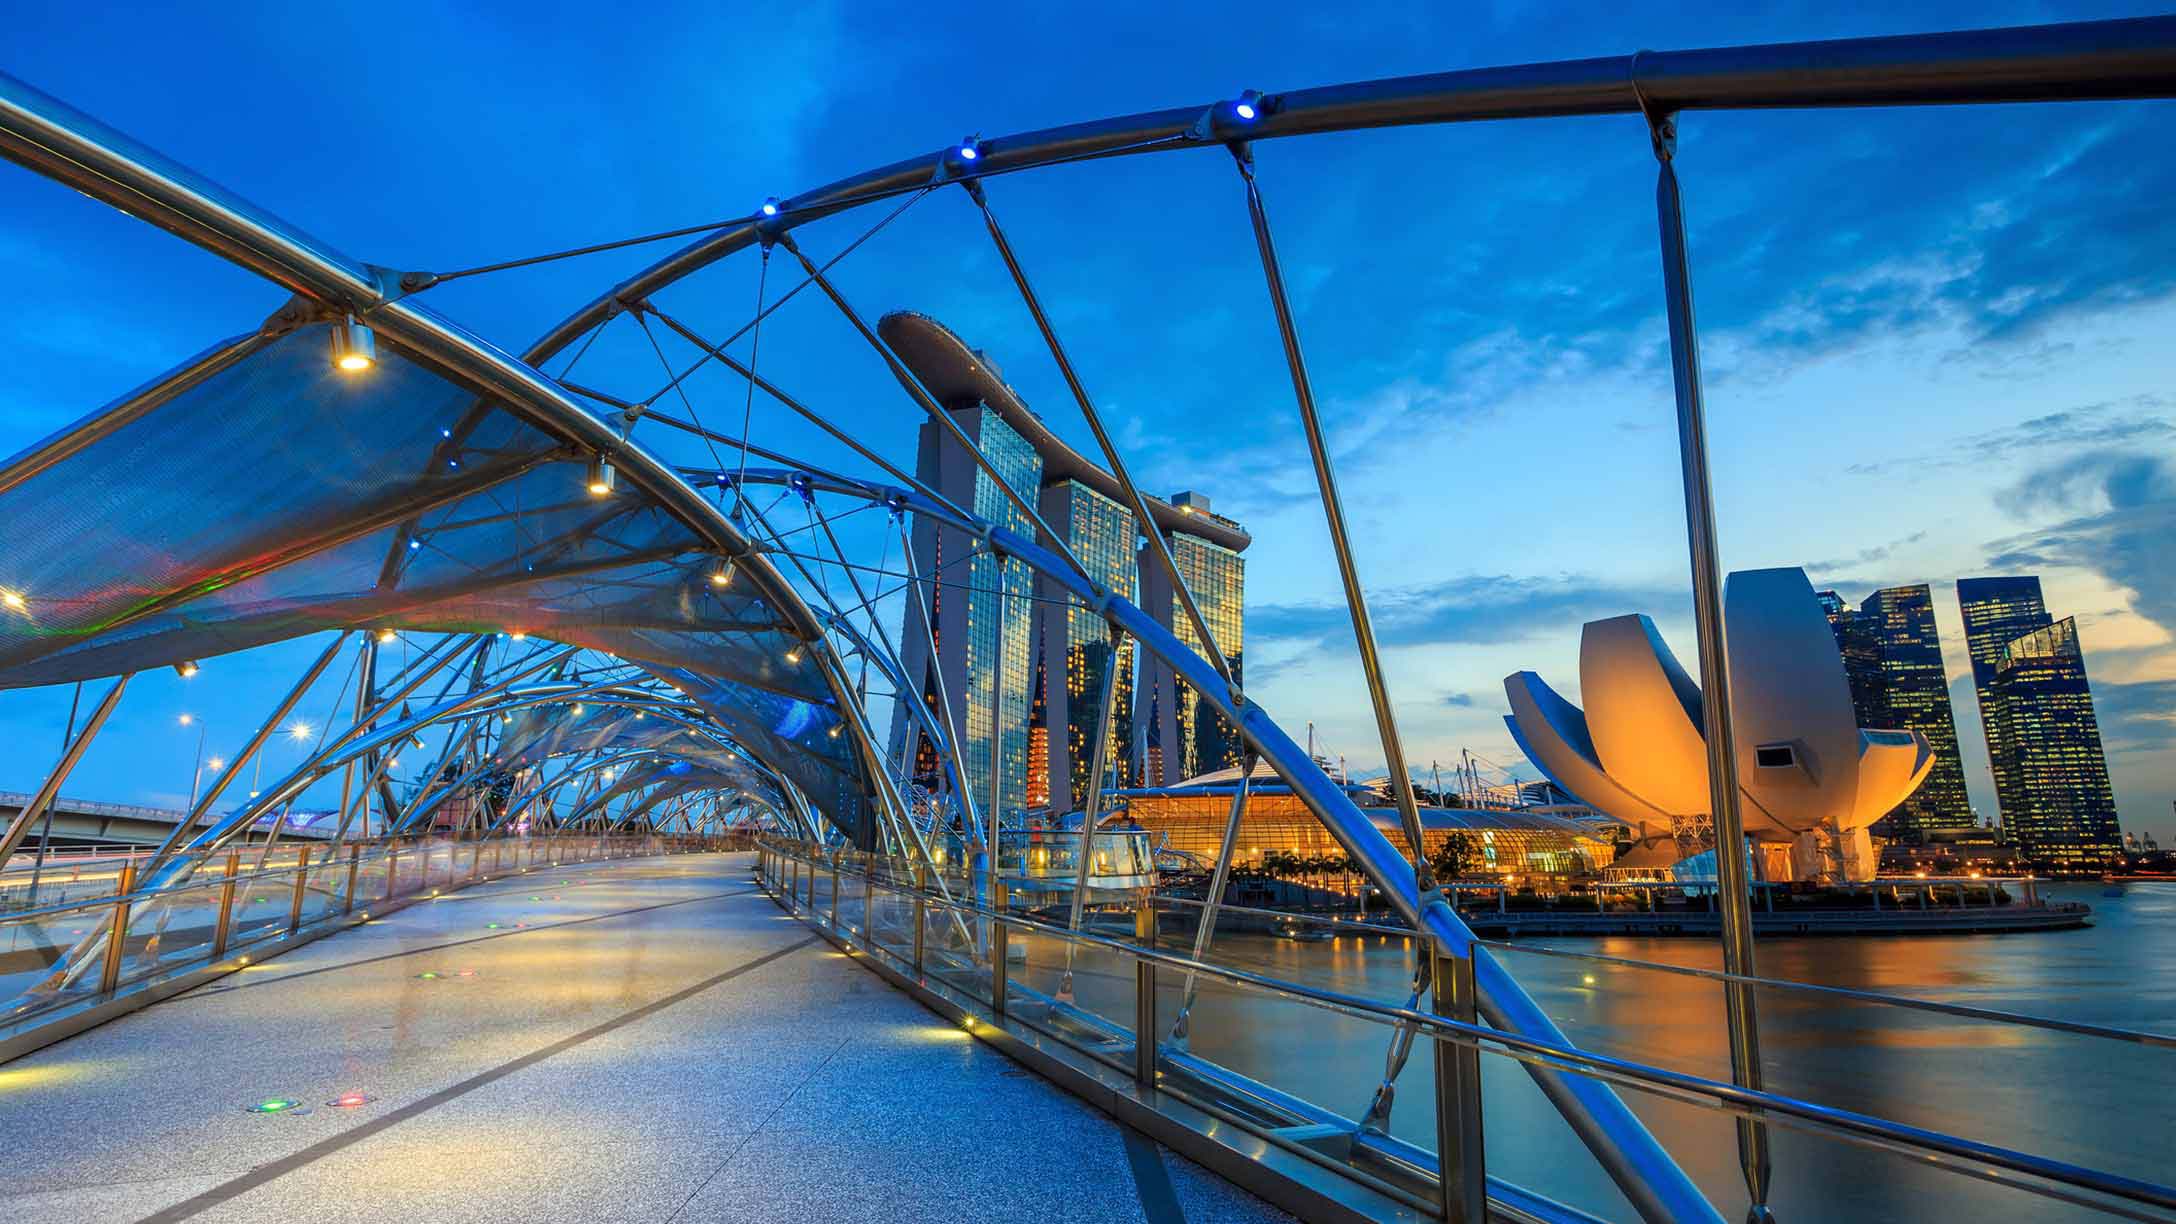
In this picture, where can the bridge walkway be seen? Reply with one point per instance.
(639, 1041)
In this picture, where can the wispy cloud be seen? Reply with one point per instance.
(2137, 420)
(2123, 524)
(1470, 609)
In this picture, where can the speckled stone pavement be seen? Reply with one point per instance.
(646, 1040)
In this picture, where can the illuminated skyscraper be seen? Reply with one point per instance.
(1187, 738)
(1101, 533)
(2043, 740)
(984, 610)
(1054, 653)
(1896, 626)
(1892, 655)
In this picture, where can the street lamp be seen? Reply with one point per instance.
(197, 779)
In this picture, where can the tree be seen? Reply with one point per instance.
(1455, 857)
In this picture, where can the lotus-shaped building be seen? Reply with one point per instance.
(1811, 779)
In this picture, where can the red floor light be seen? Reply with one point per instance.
(349, 1100)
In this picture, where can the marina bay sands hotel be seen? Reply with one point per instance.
(1006, 648)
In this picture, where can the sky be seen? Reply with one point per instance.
(1936, 341)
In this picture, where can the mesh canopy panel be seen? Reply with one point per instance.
(275, 496)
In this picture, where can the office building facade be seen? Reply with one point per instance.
(1892, 655)
(2043, 739)
(1052, 655)
(1186, 737)
(1076, 644)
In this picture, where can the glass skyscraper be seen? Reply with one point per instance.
(983, 610)
(2043, 740)
(1102, 534)
(1052, 655)
(1892, 655)
(1189, 738)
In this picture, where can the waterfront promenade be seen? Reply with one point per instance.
(646, 1040)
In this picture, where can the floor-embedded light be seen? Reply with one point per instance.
(273, 1105)
(353, 346)
(349, 1100)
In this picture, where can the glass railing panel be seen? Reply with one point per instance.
(1080, 993)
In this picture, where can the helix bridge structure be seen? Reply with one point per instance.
(625, 627)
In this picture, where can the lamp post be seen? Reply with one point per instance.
(196, 780)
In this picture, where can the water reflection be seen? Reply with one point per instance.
(2087, 1100)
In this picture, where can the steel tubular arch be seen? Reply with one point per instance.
(54, 140)
(1620, 1142)
(2076, 61)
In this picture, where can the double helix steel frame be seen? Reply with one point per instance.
(2095, 60)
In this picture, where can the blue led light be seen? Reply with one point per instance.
(415, 543)
(969, 152)
(1245, 110)
(770, 207)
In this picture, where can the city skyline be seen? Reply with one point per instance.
(1934, 341)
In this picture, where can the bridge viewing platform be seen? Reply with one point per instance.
(646, 1039)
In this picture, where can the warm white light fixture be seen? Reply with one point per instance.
(354, 348)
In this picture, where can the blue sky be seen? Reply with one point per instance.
(1937, 340)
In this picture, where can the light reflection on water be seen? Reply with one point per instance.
(2088, 1100)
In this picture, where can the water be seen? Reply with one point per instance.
(2091, 1101)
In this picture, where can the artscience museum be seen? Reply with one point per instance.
(1811, 780)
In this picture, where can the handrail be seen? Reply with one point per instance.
(1641, 1076)
(1965, 1010)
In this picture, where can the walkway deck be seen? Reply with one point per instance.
(644, 1041)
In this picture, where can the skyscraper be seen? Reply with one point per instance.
(1892, 655)
(2043, 740)
(1915, 697)
(983, 611)
(1102, 534)
(1188, 738)
(1054, 654)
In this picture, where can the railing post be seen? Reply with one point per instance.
(302, 881)
(868, 904)
(1460, 1153)
(355, 855)
(392, 865)
(1000, 948)
(117, 940)
(1144, 998)
(1732, 886)
(834, 907)
(224, 926)
(921, 915)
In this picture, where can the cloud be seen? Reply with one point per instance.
(2137, 421)
(2123, 508)
(1865, 556)
(1460, 700)
(1470, 609)
(2137, 717)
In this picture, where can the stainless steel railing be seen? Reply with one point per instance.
(885, 910)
